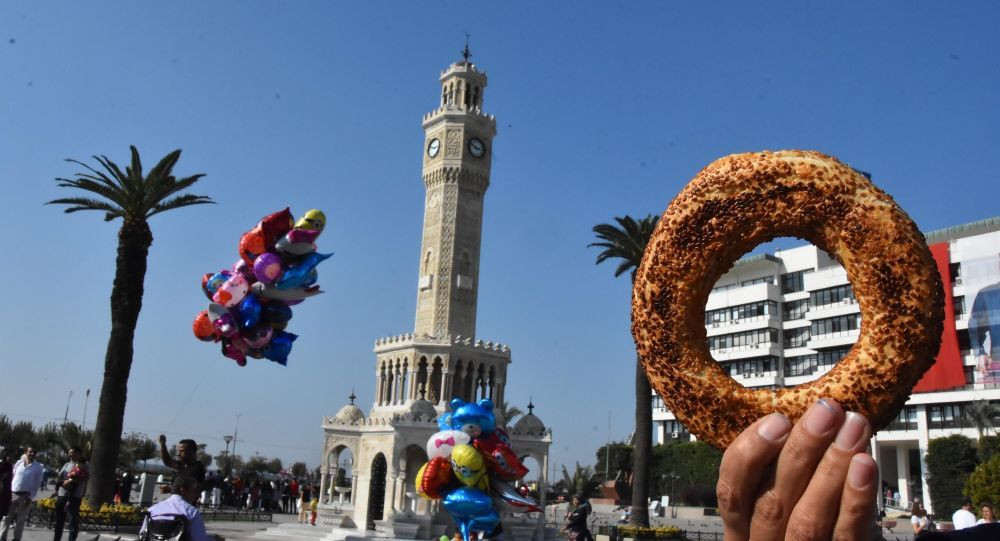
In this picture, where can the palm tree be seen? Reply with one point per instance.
(583, 480)
(627, 242)
(509, 412)
(135, 199)
(982, 413)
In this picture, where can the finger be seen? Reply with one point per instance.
(743, 466)
(805, 447)
(856, 511)
(816, 512)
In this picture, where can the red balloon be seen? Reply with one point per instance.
(437, 478)
(203, 328)
(252, 245)
(275, 226)
(501, 460)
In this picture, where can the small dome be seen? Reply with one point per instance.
(529, 424)
(423, 409)
(349, 414)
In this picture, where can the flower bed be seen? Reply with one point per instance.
(661, 532)
(107, 517)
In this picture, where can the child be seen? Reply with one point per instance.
(313, 506)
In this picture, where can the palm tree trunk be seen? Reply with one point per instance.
(643, 443)
(134, 240)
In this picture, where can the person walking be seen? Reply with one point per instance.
(576, 520)
(70, 486)
(27, 477)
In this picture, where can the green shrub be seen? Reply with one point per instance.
(983, 484)
(988, 446)
(950, 460)
(662, 532)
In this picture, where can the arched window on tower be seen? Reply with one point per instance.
(427, 263)
(434, 390)
(491, 385)
(444, 95)
(466, 96)
(475, 98)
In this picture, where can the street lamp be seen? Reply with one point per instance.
(228, 439)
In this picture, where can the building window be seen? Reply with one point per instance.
(959, 303)
(825, 298)
(792, 282)
(955, 269)
(796, 338)
(745, 312)
(802, 365)
(755, 367)
(829, 357)
(743, 340)
(793, 310)
(755, 281)
(905, 420)
(946, 416)
(657, 402)
(835, 326)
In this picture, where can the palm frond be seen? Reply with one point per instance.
(185, 200)
(626, 241)
(84, 203)
(166, 165)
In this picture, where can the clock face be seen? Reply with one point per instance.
(434, 147)
(476, 147)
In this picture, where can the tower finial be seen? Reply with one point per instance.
(352, 397)
(531, 407)
(466, 53)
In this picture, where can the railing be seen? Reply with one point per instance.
(115, 522)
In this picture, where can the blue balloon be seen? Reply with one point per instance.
(300, 273)
(249, 311)
(280, 347)
(472, 510)
(467, 502)
(276, 312)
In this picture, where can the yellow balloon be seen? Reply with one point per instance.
(312, 219)
(469, 466)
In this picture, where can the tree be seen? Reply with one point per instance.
(509, 412)
(135, 199)
(988, 446)
(583, 480)
(950, 460)
(687, 472)
(228, 463)
(627, 242)
(299, 470)
(982, 413)
(620, 458)
(983, 484)
(136, 446)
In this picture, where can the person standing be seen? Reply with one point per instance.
(305, 498)
(24, 485)
(986, 510)
(918, 519)
(70, 486)
(126, 486)
(6, 476)
(187, 462)
(963, 518)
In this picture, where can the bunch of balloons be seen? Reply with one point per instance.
(470, 467)
(251, 303)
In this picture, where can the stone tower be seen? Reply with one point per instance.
(442, 358)
(456, 172)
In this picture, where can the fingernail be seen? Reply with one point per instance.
(861, 473)
(821, 418)
(774, 427)
(855, 428)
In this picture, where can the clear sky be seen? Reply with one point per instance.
(603, 109)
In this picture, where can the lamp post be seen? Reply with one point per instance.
(228, 439)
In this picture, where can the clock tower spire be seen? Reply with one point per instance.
(456, 173)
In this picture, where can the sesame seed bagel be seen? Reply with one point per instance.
(741, 201)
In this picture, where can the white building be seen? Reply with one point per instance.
(784, 319)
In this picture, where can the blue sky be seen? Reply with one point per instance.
(603, 109)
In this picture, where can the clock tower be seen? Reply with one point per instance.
(456, 172)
